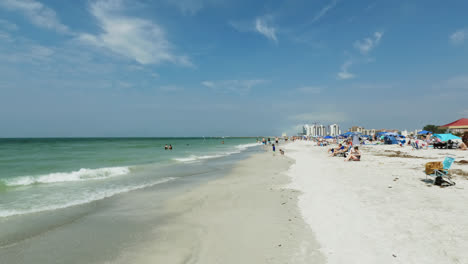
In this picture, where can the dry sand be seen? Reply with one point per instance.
(246, 217)
(381, 209)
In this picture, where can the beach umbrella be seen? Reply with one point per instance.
(424, 132)
(328, 137)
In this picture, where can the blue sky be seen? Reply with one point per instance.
(231, 68)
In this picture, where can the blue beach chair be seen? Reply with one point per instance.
(448, 161)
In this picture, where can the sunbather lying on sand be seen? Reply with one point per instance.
(354, 154)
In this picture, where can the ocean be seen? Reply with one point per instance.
(39, 175)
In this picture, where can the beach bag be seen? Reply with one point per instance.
(433, 165)
(443, 182)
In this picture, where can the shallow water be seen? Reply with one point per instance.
(47, 174)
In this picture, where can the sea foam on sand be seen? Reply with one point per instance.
(381, 209)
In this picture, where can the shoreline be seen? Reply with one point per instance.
(247, 216)
(240, 212)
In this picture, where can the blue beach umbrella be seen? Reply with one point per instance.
(424, 132)
(328, 137)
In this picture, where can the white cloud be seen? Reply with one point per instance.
(459, 36)
(310, 89)
(39, 14)
(345, 74)
(262, 26)
(237, 86)
(324, 10)
(366, 45)
(131, 37)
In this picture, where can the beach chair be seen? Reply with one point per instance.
(344, 154)
(444, 172)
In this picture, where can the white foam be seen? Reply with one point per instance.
(80, 175)
(90, 197)
(238, 149)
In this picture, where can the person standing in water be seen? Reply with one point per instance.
(166, 147)
(170, 147)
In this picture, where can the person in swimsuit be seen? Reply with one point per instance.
(355, 154)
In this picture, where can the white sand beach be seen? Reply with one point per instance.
(247, 216)
(380, 209)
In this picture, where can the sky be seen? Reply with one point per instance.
(229, 68)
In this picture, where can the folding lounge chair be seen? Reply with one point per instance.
(344, 154)
(448, 161)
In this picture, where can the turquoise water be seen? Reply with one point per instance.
(47, 174)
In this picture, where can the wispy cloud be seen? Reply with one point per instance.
(37, 13)
(366, 45)
(324, 10)
(262, 26)
(237, 86)
(134, 38)
(459, 36)
(344, 73)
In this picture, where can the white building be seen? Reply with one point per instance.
(319, 130)
(333, 130)
(306, 130)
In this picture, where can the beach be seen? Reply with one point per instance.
(262, 207)
(233, 209)
(381, 209)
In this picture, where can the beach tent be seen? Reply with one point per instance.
(328, 137)
(424, 132)
(446, 137)
(390, 139)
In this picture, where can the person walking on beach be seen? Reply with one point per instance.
(263, 141)
(274, 148)
(269, 141)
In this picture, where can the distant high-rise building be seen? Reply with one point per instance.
(333, 130)
(319, 130)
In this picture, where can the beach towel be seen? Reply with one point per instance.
(433, 165)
